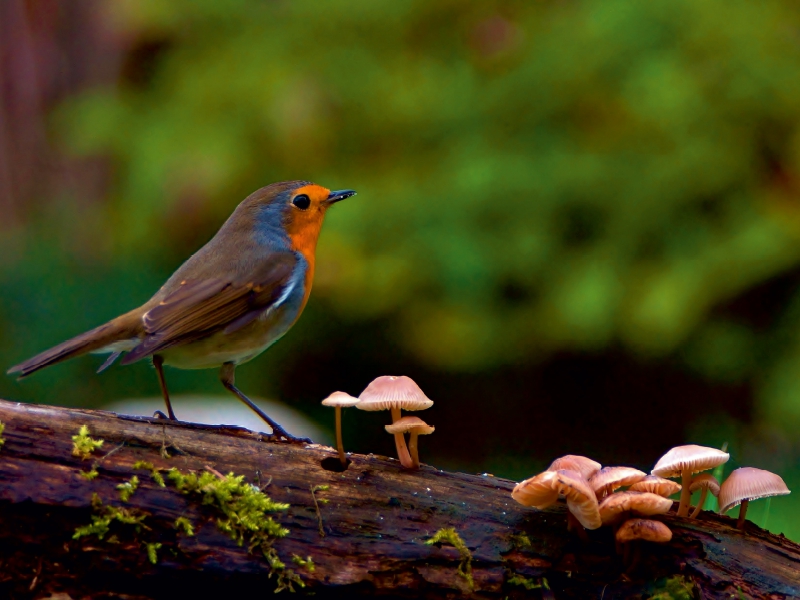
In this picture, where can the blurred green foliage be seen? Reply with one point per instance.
(533, 177)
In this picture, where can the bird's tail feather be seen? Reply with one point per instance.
(121, 328)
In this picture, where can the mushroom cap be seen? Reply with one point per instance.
(340, 399)
(644, 503)
(572, 462)
(410, 425)
(689, 458)
(707, 481)
(656, 485)
(643, 529)
(747, 483)
(581, 499)
(390, 391)
(537, 491)
(610, 478)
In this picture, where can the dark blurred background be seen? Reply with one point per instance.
(577, 228)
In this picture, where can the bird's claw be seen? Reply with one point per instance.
(281, 435)
(160, 415)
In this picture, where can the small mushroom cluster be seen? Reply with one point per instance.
(593, 500)
(394, 393)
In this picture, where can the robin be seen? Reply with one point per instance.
(229, 302)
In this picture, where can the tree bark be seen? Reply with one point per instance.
(365, 533)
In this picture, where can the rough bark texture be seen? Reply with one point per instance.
(375, 523)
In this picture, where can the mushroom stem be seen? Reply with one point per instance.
(339, 444)
(700, 503)
(413, 449)
(574, 525)
(686, 495)
(742, 513)
(400, 443)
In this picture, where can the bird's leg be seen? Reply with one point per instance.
(226, 376)
(158, 363)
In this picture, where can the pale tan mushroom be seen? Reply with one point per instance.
(683, 462)
(643, 529)
(608, 479)
(414, 427)
(656, 485)
(572, 462)
(340, 400)
(705, 482)
(537, 491)
(544, 489)
(617, 506)
(581, 499)
(633, 531)
(746, 484)
(394, 393)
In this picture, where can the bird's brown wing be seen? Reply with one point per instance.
(199, 308)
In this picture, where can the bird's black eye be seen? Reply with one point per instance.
(302, 201)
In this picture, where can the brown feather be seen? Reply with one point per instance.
(122, 328)
(198, 309)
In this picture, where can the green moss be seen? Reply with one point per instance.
(152, 551)
(450, 536)
(307, 562)
(89, 474)
(83, 445)
(674, 588)
(243, 514)
(185, 525)
(520, 541)
(527, 582)
(104, 514)
(2, 429)
(154, 473)
(127, 489)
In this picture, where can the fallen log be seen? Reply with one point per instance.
(74, 521)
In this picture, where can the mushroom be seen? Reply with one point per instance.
(572, 462)
(543, 490)
(656, 485)
(340, 400)
(414, 427)
(538, 491)
(683, 462)
(614, 508)
(581, 499)
(607, 479)
(746, 484)
(705, 482)
(646, 530)
(394, 393)
(643, 529)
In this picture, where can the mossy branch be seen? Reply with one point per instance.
(116, 528)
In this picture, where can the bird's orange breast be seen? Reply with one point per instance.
(303, 229)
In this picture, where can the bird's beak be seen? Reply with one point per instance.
(340, 195)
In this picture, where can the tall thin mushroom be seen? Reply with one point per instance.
(340, 400)
(746, 484)
(705, 482)
(395, 393)
(683, 462)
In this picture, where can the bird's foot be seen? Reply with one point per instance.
(160, 415)
(279, 434)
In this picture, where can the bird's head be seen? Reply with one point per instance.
(294, 209)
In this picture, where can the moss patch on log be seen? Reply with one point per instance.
(448, 535)
(83, 445)
(244, 516)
